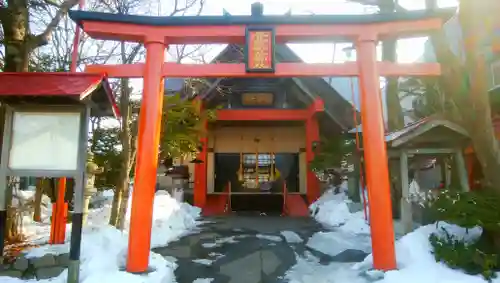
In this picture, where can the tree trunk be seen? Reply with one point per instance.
(120, 200)
(470, 98)
(475, 21)
(115, 206)
(15, 23)
(395, 119)
(12, 231)
(124, 204)
(37, 214)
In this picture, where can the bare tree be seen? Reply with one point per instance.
(56, 57)
(130, 53)
(18, 39)
(461, 93)
(395, 118)
(464, 84)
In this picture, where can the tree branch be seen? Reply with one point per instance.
(43, 3)
(52, 3)
(44, 37)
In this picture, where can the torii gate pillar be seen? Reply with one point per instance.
(150, 119)
(375, 153)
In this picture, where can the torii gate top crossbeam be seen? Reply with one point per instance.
(231, 29)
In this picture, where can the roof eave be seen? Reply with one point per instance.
(79, 17)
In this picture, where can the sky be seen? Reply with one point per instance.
(409, 50)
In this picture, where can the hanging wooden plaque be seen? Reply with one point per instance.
(259, 50)
(257, 99)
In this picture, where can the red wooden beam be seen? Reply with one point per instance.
(262, 114)
(220, 70)
(236, 33)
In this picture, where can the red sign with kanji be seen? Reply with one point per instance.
(260, 51)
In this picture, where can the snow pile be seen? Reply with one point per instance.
(332, 210)
(335, 242)
(38, 232)
(171, 219)
(291, 237)
(102, 198)
(308, 269)
(416, 262)
(104, 248)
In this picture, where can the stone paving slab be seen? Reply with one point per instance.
(245, 250)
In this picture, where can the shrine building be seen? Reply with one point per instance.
(255, 155)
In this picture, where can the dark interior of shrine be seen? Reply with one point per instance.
(259, 189)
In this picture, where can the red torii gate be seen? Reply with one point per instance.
(156, 33)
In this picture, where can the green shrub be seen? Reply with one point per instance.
(469, 257)
(468, 210)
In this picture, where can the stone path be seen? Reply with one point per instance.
(240, 249)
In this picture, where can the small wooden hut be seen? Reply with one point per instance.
(428, 144)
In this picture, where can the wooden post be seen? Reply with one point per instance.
(53, 225)
(375, 155)
(61, 213)
(200, 169)
(406, 205)
(461, 170)
(147, 159)
(469, 162)
(442, 165)
(312, 135)
(447, 173)
(396, 189)
(353, 181)
(229, 196)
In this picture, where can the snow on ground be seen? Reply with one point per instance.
(309, 270)
(333, 243)
(203, 261)
(348, 230)
(291, 237)
(269, 237)
(104, 248)
(219, 242)
(332, 210)
(416, 262)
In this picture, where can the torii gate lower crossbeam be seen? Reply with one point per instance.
(158, 33)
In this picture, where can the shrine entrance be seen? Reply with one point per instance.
(260, 32)
(256, 180)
